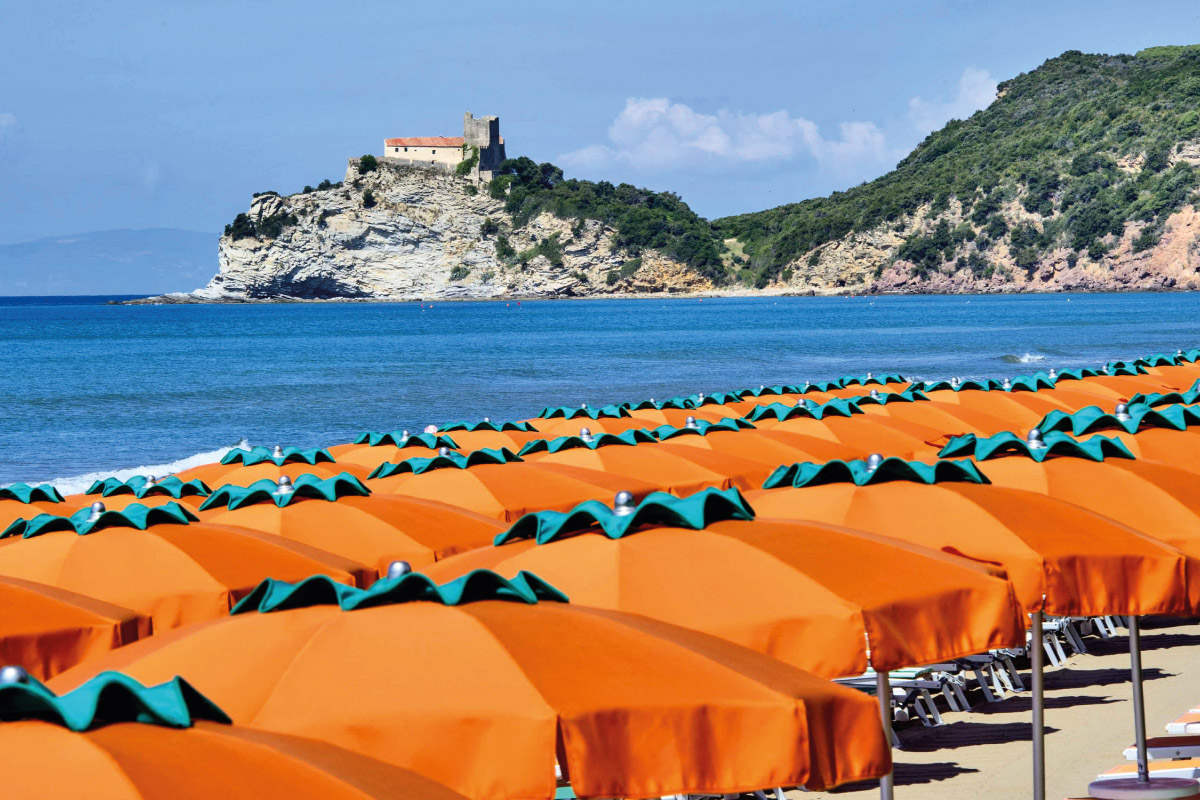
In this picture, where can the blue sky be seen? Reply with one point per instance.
(164, 114)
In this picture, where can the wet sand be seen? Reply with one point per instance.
(1089, 721)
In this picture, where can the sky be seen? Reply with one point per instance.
(169, 114)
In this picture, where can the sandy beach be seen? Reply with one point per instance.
(1089, 722)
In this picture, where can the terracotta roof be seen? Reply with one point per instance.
(425, 141)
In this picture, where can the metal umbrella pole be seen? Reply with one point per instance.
(883, 690)
(1143, 786)
(1039, 711)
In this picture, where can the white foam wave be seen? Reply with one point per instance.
(1028, 358)
(76, 484)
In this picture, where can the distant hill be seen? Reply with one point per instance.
(1082, 174)
(149, 261)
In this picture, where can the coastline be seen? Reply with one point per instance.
(191, 299)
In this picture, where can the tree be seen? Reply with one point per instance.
(368, 163)
(368, 199)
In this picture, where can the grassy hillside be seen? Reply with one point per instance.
(1086, 144)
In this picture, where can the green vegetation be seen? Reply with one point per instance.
(467, 165)
(489, 227)
(550, 247)
(368, 199)
(270, 227)
(368, 163)
(1084, 142)
(630, 268)
(504, 249)
(459, 272)
(643, 219)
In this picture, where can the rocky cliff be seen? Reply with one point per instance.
(406, 233)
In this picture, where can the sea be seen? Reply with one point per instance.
(90, 389)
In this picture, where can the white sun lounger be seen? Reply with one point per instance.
(1167, 747)
(1188, 768)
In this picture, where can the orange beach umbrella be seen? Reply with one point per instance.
(822, 592)
(1081, 563)
(481, 695)
(176, 572)
(134, 761)
(373, 530)
(46, 630)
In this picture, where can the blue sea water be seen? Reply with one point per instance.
(90, 388)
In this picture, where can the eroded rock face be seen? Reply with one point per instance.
(867, 262)
(422, 239)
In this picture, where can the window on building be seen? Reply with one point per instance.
(406, 149)
(434, 153)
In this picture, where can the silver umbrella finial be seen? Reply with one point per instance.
(1122, 411)
(284, 485)
(398, 569)
(623, 504)
(690, 422)
(12, 673)
(1034, 439)
(873, 461)
(97, 509)
(586, 435)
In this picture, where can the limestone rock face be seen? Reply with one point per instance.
(423, 238)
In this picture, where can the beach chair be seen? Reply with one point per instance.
(1188, 723)
(1188, 768)
(1166, 748)
(911, 688)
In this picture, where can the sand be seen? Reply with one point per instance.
(1089, 721)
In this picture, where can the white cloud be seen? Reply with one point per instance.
(976, 90)
(656, 134)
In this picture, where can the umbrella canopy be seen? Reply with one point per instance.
(861, 433)
(113, 738)
(676, 417)
(131, 761)
(1158, 499)
(823, 592)
(649, 463)
(482, 682)
(370, 530)
(944, 417)
(46, 630)
(506, 491)
(142, 489)
(169, 567)
(243, 467)
(1081, 563)
(23, 500)
(550, 428)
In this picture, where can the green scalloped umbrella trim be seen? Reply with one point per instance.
(398, 439)
(1077, 374)
(1030, 383)
(658, 405)
(486, 425)
(883, 398)
(1124, 368)
(1190, 356)
(609, 411)
(696, 401)
(416, 466)
(321, 590)
(696, 511)
(769, 391)
(303, 487)
(890, 469)
(1058, 444)
(1093, 418)
(1158, 360)
(724, 398)
(137, 486)
(703, 427)
(134, 515)
(1155, 399)
(108, 698)
(632, 436)
(878, 380)
(834, 408)
(261, 455)
(28, 493)
(970, 384)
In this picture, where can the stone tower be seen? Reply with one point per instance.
(484, 133)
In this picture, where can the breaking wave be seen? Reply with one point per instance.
(1028, 358)
(76, 484)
